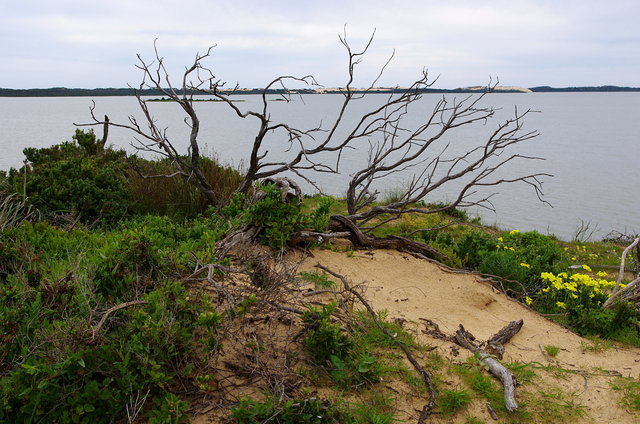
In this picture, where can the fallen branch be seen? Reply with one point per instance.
(111, 310)
(428, 407)
(617, 291)
(466, 340)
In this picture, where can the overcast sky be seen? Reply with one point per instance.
(89, 44)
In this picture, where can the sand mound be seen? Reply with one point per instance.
(413, 289)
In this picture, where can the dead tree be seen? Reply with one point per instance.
(382, 131)
(150, 137)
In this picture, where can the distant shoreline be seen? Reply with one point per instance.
(98, 92)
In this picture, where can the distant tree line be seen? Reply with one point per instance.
(95, 92)
(603, 88)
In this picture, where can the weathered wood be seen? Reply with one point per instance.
(306, 236)
(358, 238)
(619, 292)
(465, 339)
(285, 185)
(244, 236)
(495, 345)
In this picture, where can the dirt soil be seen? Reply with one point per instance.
(413, 290)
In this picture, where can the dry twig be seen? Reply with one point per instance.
(428, 407)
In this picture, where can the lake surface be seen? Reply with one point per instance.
(591, 143)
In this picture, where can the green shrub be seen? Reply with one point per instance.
(522, 257)
(580, 296)
(92, 380)
(52, 366)
(472, 246)
(130, 266)
(324, 339)
(76, 177)
(279, 220)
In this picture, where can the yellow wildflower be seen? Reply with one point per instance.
(561, 305)
(528, 300)
(514, 231)
(602, 274)
(525, 265)
(573, 258)
(500, 239)
(586, 268)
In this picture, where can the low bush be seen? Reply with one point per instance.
(69, 376)
(472, 246)
(76, 177)
(581, 296)
(347, 362)
(279, 220)
(174, 196)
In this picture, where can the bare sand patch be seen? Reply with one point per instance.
(413, 289)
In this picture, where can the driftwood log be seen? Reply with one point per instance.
(487, 353)
(495, 343)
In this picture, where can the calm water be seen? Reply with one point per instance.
(591, 142)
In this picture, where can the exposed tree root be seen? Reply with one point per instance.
(358, 238)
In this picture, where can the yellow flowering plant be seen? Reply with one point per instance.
(580, 297)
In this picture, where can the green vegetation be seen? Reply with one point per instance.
(305, 411)
(101, 316)
(552, 350)
(630, 389)
(451, 401)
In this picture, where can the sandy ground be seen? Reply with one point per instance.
(414, 289)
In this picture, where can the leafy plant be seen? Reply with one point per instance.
(472, 246)
(522, 257)
(76, 177)
(319, 280)
(581, 296)
(324, 339)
